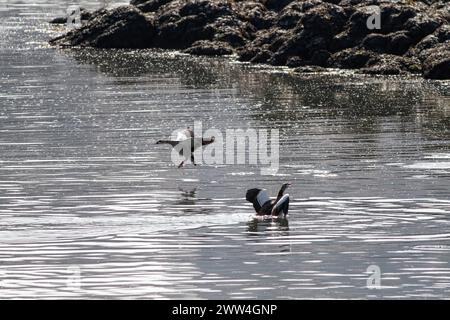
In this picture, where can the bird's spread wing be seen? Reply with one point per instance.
(262, 197)
(282, 206)
(171, 142)
(258, 197)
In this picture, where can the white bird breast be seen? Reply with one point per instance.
(187, 144)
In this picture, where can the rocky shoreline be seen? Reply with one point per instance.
(309, 35)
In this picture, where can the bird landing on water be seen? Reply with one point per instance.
(264, 206)
(185, 144)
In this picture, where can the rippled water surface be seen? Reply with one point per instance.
(90, 207)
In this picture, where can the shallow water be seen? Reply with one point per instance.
(90, 207)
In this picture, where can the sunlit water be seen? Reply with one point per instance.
(90, 207)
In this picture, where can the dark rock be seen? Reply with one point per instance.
(211, 9)
(426, 43)
(333, 1)
(344, 40)
(254, 13)
(184, 32)
(184, 22)
(271, 39)
(209, 48)
(149, 5)
(58, 20)
(399, 42)
(231, 37)
(233, 31)
(382, 69)
(443, 33)
(289, 19)
(255, 54)
(291, 14)
(320, 58)
(137, 2)
(357, 24)
(123, 27)
(437, 63)
(395, 43)
(420, 26)
(350, 58)
(279, 58)
(314, 32)
(310, 69)
(325, 20)
(248, 53)
(301, 5)
(262, 56)
(376, 42)
(387, 64)
(294, 62)
(276, 4)
(394, 17)
(413, 35)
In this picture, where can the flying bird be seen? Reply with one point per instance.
(264, 206)
(186, 144)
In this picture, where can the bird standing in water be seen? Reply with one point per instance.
(266, 207)
(186, 144)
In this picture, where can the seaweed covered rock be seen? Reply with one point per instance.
(352, 58)
(209, 48)
(436, 65)
(123, 27)
(408, 36)
(182, 23)
(149, 5)
(387, 64)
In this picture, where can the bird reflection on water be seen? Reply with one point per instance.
(272, 225)
(263, 229)
(189, 203)
(187, 196)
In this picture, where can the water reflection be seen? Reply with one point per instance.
(135, 63)
(190, 204)
(286, 98)
(260, 226)
(264, 230)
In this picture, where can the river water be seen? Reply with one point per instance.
(90, 207)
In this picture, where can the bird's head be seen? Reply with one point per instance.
(285, 186)
(208, 140)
